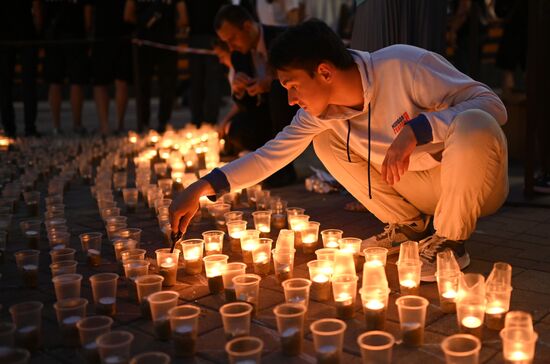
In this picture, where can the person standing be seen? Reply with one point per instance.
(156, 21)
(66, 23)
(111, 60)
(205, 70)
(19, 21)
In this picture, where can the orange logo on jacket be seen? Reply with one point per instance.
(400, 122)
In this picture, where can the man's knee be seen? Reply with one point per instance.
(477, 126)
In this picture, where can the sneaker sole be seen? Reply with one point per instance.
(463, 263)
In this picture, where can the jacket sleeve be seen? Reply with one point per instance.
(287, 145)
(443, 90)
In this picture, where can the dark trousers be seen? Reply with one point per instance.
(206, 77)
(148, 62)
(28, 59)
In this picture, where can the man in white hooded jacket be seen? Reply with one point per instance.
(405, 132)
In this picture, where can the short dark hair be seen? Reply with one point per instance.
(234, 14)
(308, 44)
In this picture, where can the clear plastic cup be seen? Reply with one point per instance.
(132, 254)
(9, 355)
(104, 288)
(89, 329)
(376, 347)
(130, 196)
(69, 311)
(262, 222)
(67, 286)
(247, 289)
(328, 340)
(461, 349)
(63, 267)
(7, 334)
(134, 268)
(290, 319)
(518, 345)
(167, 265)
(160, 303)
(326, 254)
(283, 263)
(232, 270)
(376, 255)
(91, 246)
(409, 276)
(27, 264)
(297, 291)
(344, 262)
(261, 257)
(27, 317)
(374, 300)
(192, 251)
(235, 230)
(233, 216)
(145, 286)
(330, 238)
(320, 273)
(213, 241)
(246, 349)
(31, 230)
(215, 265)
(518, 319)
(310, 236)
(249, 241)
(61, 255)
(344, 290)
(353, 246)
(114, 346)
(285, 240)
(184, 322)
(236, 318)
(151, 357)
(123, 244)
(412, 317)
(59, 239)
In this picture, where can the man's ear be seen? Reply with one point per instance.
(247, 26)
(325, 71)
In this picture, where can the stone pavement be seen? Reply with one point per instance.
(520, 236)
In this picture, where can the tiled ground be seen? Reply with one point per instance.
(520, 236)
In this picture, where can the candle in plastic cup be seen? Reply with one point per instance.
(412, 317)
(310, 236)
(151, 357)
(192, 250)
(235, 230)
(291, 211)
(461, 349)
(213, 242)
(145, 286)
(344, 290)
(285, 240)
(31, 231)
(63, 267)
(91, 246)
(27, 317)
(218, 211)
(249, 240)
(262, 199)
(376, 347)
(374, 300)
(215, 265)
(130, 196)
(69, 311)
(470, 304)
(376, 255)
(328, 340)
(447, 276)
(134, 268)
(167, 265)
(344, 263)
(236, 318)
(408, 251)
(233, 216)
(184, 322)
(296, 290)
(518, 319)
(290, 319)
(283, 263)
(232, 270)
(67, 286)
(61, 255)
(247, 289)
(9, 355)
(518, 345)
(326, 254)
(261, 256)
(320, 272)
(331, 237)
(132, 254)
(7, 334)
(298, 223)
(27, 264)
(353, 246)
(104, 288)
(160, 303)
(114, 346)
(262, 222)
(89, 329)
(251, 194)
(498, 291)
(246, 349)
(123, 244)
(59, 238)
(409, 276)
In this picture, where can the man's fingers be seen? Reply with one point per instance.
(175, 218)
(184, 222)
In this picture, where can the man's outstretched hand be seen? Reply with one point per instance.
(185, 205)
(396, 162)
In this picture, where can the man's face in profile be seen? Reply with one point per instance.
(310, 92)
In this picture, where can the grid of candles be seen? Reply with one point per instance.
(175, 164)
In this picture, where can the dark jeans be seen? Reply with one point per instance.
(206, 76)
(149, 61)
(28, 60)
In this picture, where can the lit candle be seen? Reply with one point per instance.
(344, 305)
(320, 278)
(374, 304)
(450, 294)
(261, 258)
(494, 316)
(374, 311)
(471, 322)
(212, 247)
(264, 228)
(192, 254)
(518, 356)
(375, 263)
